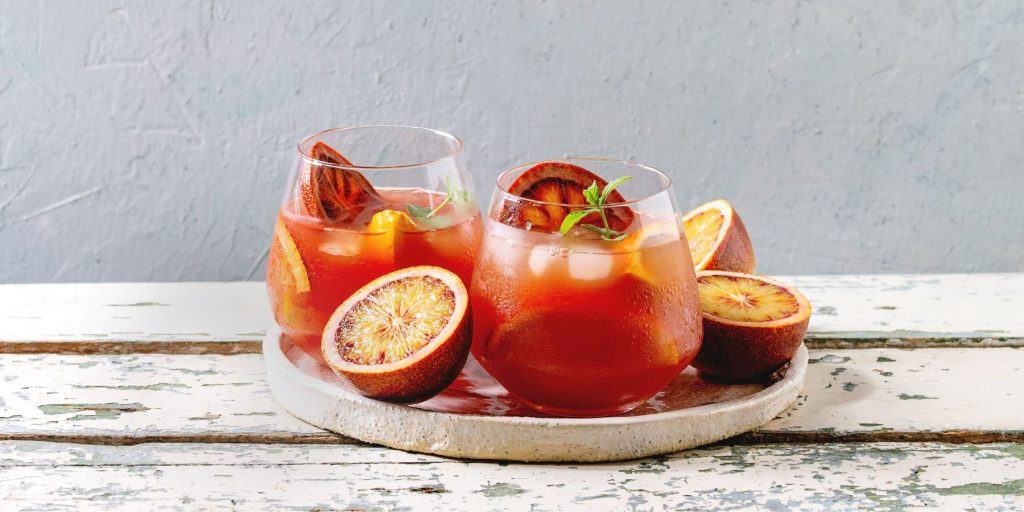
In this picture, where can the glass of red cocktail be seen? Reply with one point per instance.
(584, 295)
(361, 202)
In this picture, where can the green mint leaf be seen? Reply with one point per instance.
(452, 194)
(592, 195)
(419, 212)
(612, 186)
(574, 218)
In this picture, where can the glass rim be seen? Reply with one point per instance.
(451, 154)
(666, 181)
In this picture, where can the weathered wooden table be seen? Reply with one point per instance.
(141, 396)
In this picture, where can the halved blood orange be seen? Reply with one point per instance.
(557, 184)
(752, 324)
(332, 193)
(718, 240)
(403, 337)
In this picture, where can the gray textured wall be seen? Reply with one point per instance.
(149, 141)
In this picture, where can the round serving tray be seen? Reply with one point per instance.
(476, 418)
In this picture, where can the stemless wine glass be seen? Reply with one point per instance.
(361, 202)
(595, 321)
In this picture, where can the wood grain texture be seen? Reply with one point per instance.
(185, 318)
(127, 371)
(876, 476)
(944, 394)
(227, 318)
(969, 310)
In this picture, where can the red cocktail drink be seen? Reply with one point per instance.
(593, 321)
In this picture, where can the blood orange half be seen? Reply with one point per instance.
(403, 337)
(752, 324)
(718, 240)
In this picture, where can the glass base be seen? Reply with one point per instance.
(584, 413)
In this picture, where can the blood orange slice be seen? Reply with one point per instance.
(285, 265)
(390, 221)
(752, 324)
(650, 234)
(387, 232)
(288, 281)
(718, 240)
(559, 186)
(332, 193)
(403, 337)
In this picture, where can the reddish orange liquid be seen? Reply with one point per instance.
(338, 261)
(592, 330)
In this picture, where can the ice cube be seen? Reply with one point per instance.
(544, 257)
(342, 246)
(586, 266)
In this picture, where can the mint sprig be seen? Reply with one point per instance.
(596, 201)
(420, 212)
(453, 195)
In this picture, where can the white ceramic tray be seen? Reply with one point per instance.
(476, 418)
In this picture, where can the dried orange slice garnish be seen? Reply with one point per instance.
(718, 240)
(752, 324)
(403, 337)
(335, 194)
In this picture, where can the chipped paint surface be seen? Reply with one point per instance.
(134, 317)
(107, 411)
(861, 394)
(192, 317)
(853, 392)
(914, 310)
(773, 476)
(909, 391)
(155, 394)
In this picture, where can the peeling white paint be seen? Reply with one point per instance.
(954, 309)
(848, 394)
(883, 476)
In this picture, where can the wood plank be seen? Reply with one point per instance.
(143, 397)
(248, 477)
(942, 394)
(226, 318)
(914, 310)
(188, 318)
(952, 394)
